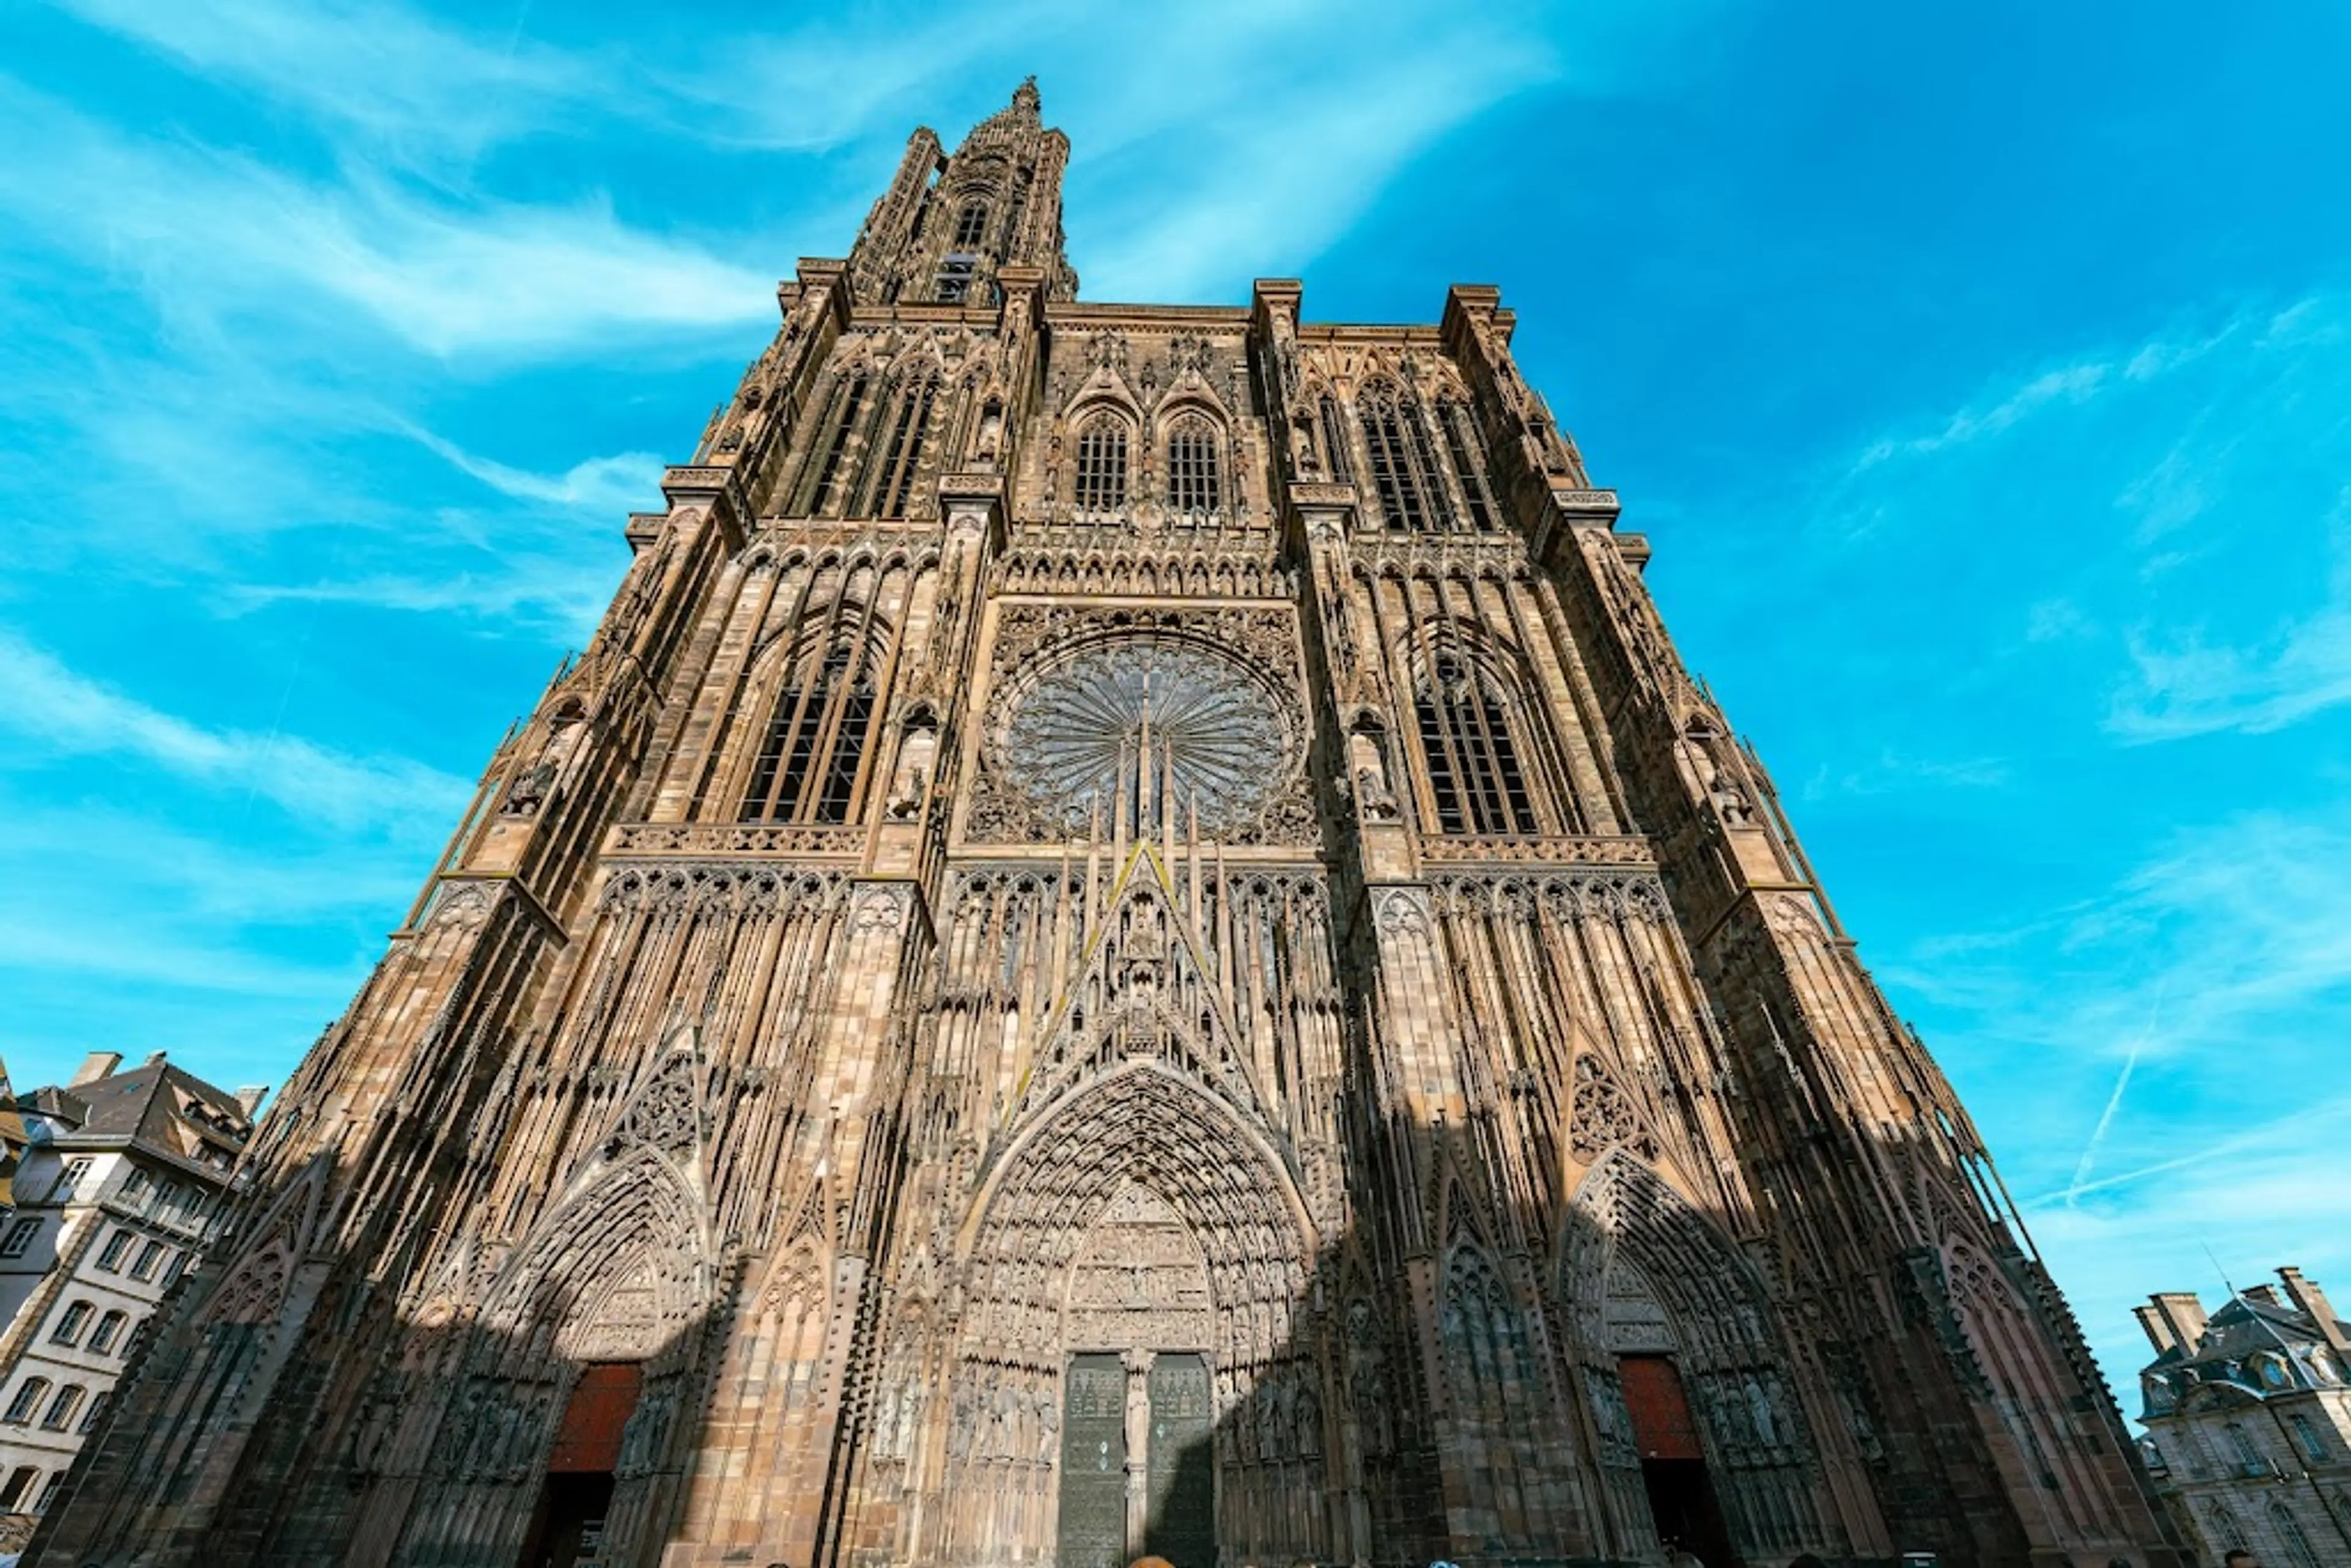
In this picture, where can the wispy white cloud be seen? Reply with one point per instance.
(406, 81)
(47, 703)
(607, 486)
(217, 237)
(1894, 771)
(2068, 384)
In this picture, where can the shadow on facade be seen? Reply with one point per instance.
(1140, 1341)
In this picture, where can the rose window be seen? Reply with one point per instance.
(1145, 731)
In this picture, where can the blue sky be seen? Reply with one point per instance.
(1979, 372)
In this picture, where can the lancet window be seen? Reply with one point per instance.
(971, 225)
(828, 487)
(1468, 455)
(1405, 471)
(1195, 484)
(904, 432)
(1335, 442)
(1475, 777)
(810, 759)
(1102, 464)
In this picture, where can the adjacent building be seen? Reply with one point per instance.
(2248, 1414)
(119, 1181)
(1131, 937)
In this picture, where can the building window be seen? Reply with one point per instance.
(69, 1325)
(136, 1184)
(1335, 442)
(2289, 1531)
(808, 764)
(49, 1492)
(971, 225)
(27, 1400)
(2307, 1434)
(20, 1482)
(954, 278)
(63, 1408)
(847, 403)
(20, 1238)
(70, 1180)
(2248, 1457)
(1467, 456)
(97, 1411)
(108, 1329)
(143, 1268)
(1474, 775)
(172, 1270)
(1404, 465)
(1101, 465)
(109, 1257)
(902, 455)
(1195, 485)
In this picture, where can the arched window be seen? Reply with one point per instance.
(1474, 775)
(1102, 464)
(108, 1329)
(97, 1411)
(806, 770)
(27, 1400)
(20, 1482)
(71, 1323)
(2289, 1536)
(828, 487)
(907, 428)
(1335, 442)
(1468, 455)
(63, 1406)
(971, 225)
(1404, 464)
(1195, 484)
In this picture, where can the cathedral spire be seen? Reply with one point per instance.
(950, 223)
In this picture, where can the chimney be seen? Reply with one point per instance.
(2262, 1295)
(154, 1059)
(2184, 1314)
(2306, 1295)
(97, 1065)
(251, 1096)
(2159, 1333)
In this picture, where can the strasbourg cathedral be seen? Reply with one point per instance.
(1130, 938)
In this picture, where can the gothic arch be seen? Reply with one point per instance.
(1142, 1135)
(1682, 1289)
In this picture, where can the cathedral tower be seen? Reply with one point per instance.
(1130, 937)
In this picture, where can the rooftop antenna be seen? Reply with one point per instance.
(2218, 1270)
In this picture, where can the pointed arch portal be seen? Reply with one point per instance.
(1131, 1373)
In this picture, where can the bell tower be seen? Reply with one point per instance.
(949, 224)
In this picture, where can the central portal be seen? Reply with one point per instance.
(1137, 1460)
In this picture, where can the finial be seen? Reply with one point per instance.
(1025, 94)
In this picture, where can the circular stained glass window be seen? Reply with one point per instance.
(1148, 730)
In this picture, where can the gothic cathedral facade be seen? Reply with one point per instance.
(1130, 938)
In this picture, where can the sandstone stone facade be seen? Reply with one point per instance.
(1130, 936)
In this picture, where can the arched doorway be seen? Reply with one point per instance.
(1134, 1370)
(1690, 1392)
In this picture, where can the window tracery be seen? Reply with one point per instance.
(908, 428)
(826, 490)
(810, 762)
(1102, 470)
(1475, 777)
(1467, 452)
(1195, 480)
(1405, 471)
(971, 225)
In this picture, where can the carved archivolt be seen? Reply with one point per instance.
(1642, 1271)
